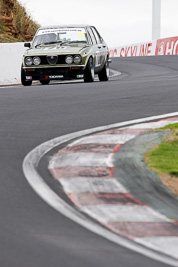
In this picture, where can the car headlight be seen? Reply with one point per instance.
(28, 61)
(36, 61)
(77, 59)
(69, 59)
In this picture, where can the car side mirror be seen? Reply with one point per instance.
(27, 45)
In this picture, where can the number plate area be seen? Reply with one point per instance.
(56, 76)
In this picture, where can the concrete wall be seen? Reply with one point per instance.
(166, 46)
(10, 62)
(11, 55)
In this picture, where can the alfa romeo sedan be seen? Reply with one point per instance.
(65, 53)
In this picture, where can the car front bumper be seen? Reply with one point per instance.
(54, 73)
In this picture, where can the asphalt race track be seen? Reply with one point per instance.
(32, 234)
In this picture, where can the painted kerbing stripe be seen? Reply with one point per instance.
(153, 125)
(81, 160)
(87, 148)
(89, 199)
(120, 213)
(116, 148)
(68, 172)
(35, 180)
(92, 184)
(122, 131)
(103, 139)
(136, 230)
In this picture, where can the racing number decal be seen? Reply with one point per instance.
(81, 34)
(97, 56)
(98, 59)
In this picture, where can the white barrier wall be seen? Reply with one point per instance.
(10, 62)
(167, 46)
(11, 55)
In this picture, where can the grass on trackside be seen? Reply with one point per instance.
(163, 159)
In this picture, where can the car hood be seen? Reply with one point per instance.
(55, 50)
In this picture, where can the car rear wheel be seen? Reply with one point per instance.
(23, 78)
(44, 82)
(103, 75)
(89, 73)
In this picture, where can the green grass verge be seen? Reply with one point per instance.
(173, 126)
(164, 158)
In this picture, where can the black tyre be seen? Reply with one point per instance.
(44, 82)
(89, 73)
(103, 75)
(23, 78)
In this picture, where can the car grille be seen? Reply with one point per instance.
(52, 60)
(45, 60)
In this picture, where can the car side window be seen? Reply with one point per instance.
(92, 36)
(97, 37)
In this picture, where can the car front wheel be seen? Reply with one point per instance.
(89, 73)
(103, 75)
(23, 78)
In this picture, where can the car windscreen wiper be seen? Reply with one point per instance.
(77, 41)
(65, 42)
(73, 42)
(54, 42)
(38, 45)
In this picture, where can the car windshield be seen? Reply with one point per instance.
(61, 36)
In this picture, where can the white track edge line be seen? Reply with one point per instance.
(49, 196)
(115, 73)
